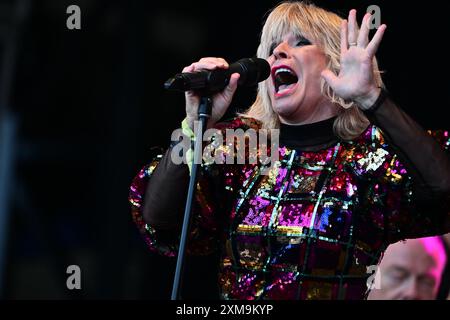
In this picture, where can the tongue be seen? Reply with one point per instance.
(284, 87)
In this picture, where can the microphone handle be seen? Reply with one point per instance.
(215, 81)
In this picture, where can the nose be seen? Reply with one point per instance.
(281, 51)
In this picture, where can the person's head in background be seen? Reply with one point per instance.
(444, 290)
(411, 270)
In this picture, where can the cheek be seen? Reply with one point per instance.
(315, 70)
(270, 86)
(269, 81)
(314, 64)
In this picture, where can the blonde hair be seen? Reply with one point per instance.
(323, 28)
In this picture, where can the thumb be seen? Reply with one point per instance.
(232, 85)
(330, 78)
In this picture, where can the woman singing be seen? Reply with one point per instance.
(354, 173)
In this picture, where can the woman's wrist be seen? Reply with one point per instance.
(369, 100)
(187, 127)
(378, 102)
(189, 122)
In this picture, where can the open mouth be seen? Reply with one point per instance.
(284, 79)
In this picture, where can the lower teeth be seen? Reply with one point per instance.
(285, 87)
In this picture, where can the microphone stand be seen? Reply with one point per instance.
(204, 113)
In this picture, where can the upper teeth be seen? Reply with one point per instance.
(283, 70)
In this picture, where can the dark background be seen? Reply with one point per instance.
(88, 106)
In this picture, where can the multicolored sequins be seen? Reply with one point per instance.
(306, 230)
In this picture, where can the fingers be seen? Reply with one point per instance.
(230, 89)
(218, 61)
(208, 63)
(372, 47)
(363, 37)
(344, 31)
(350, 35)
(189, 68)
(352, 27)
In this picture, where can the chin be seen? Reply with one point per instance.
(286, 107)
(284, 111)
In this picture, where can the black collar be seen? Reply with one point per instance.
(312, 136)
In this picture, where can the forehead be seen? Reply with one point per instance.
(411, 255)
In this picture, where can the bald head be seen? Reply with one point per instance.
(411, 269)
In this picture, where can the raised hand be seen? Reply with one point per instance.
(356, 80)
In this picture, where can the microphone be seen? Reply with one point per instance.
(252, 71)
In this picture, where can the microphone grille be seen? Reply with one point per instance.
(254, 70)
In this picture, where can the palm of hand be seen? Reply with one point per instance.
(356, 80)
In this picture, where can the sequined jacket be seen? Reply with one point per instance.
(324, 213)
